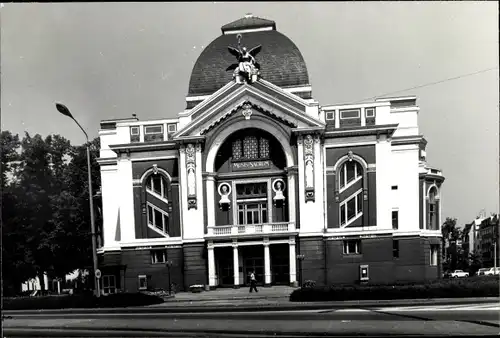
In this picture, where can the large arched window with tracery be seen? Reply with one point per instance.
(157, 199)
(350, 192)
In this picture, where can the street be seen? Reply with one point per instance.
(457, 319)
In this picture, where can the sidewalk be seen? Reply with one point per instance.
(275, 293)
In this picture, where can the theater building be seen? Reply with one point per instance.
(256, 175)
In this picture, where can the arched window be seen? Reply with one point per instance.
(158, 186)
(157, 214)
(349, 172)
(432, 216)
(251, 148)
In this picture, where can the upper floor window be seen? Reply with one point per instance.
(153, 132)
(158, 218)
(370, 112)
(157, 184)
(349, 172)
(330, 115)
(351, 208)
(350, 114)
(251, 147)
(433, 206)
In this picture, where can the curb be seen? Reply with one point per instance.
(250, 308)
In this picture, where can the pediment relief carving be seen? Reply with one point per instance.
(248, 110)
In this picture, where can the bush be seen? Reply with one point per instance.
(80, 301)
(456, 288)
(309, 284)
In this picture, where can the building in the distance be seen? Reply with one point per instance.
(255, 172)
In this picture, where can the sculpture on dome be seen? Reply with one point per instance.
(247, 69)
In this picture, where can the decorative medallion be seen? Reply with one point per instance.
(349, 155)
(278, 188)
(224, 192)
(247, 110)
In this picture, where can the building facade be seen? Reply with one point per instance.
(255, 174)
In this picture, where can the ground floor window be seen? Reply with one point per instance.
(395, 248)
(352, 246)
(158, 256)
(143, 282)
(434, 254)
(108, 284)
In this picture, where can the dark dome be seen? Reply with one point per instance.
(280, 60)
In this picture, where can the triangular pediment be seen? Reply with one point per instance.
(240, 98)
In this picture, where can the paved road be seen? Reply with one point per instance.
(465, 319)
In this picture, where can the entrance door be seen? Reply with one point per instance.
(256, 265)
(226, 275)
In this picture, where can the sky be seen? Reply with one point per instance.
(112, 60)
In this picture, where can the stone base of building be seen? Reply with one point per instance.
(326, 262)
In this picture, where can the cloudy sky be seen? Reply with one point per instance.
(110, 60)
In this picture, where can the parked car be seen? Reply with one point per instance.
(482, 271)
(492, 271)
(459, 274)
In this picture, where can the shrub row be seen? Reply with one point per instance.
(456, 288)
(80, 301)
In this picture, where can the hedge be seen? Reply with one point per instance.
(80, 301)
(484, 286)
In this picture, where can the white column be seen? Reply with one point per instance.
(267, 265)
(58, 287)
(293, 261)
(211, 265)
(291, 197)
(236, 265)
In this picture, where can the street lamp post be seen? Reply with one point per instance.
(300, 257)
(65, 111)
(169, 264)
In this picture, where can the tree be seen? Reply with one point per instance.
(475, 261)
(451, 234)
(46, 218)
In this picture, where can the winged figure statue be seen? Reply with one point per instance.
(246, 67)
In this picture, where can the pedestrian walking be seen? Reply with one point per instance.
(253, 282)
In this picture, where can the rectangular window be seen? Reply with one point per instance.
(395, 248)
(351, 208)
(395, 219)
(330, 115)
(108, 284)
(394, 187)
(352, 247)
(252, 213)
(172, 128)
(158, 256)
(370, 112)
(359, 202)
(134, 131)
(434, 254)
(143, 282)
(350, 114)
(156, 129)
(158, 218)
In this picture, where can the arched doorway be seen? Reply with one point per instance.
(251, 193)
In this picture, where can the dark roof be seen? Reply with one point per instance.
(248, 22)
(281, 62)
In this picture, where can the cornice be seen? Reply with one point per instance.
(386, 129)
(138, 147)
